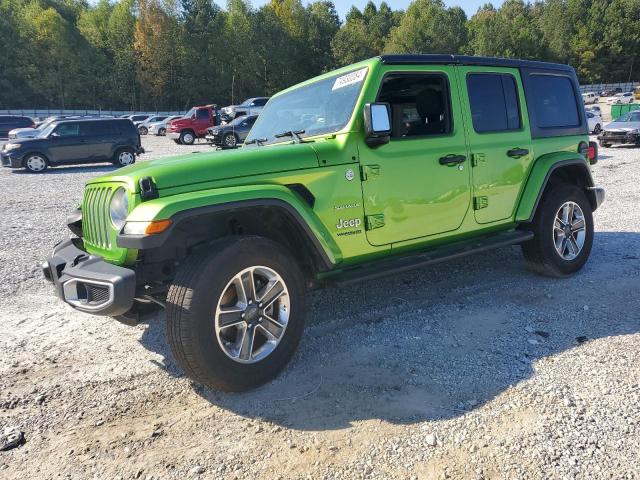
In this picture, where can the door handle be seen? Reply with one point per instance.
(452, 159)
(517, 152)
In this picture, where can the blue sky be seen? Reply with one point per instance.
(343, 6)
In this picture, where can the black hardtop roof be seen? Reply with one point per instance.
(435, 59)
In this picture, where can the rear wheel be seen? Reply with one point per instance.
(563, 228)
(124, 157)
(235, 316)
(143, 130)
(187, 137)
(36, 163)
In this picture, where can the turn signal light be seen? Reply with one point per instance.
(146, 228)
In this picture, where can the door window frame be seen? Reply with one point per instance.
(448, 102)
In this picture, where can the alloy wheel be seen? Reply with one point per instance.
(252, 314)
(569, 230)
(230, 140)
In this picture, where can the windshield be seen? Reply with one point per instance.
(48, 129)
(190, 113)
(239, 120)
(322, 107)
(629, 117)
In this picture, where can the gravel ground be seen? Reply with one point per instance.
(467, 370)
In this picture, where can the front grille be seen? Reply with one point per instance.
(96, 225)
(97, 294)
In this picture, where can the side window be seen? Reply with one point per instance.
(68, 130)
(554, 101)
(493, 99)
(420, 104)
(202, 114)
(261, 102)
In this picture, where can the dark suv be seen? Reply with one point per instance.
(9, 122)
(75, 141)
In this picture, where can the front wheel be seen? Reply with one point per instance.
(563, 229)
(162, 131)
(235, 316)
(230, 140)
(36, 163)
(143, 130)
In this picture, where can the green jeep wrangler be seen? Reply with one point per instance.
(390, 164)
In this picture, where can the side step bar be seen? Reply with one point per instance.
(436, 255)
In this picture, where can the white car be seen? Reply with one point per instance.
(160, 127)
(590, 98)
(626, 97)
(595, 123)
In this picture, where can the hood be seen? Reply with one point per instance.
(28, 141)
(181, 121)
(202, 167)
(622, 126)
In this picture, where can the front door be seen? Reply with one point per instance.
(66, 144)
(418, 184)
(495, 112)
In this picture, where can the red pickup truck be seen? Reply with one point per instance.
(193, 124)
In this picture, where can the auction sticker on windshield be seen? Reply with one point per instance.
(349, 79)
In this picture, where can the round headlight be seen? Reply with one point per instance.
(119, 208)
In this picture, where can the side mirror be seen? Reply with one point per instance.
(377, 123)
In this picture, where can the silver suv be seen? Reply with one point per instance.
(251, 106)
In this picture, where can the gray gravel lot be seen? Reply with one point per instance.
(471, 369)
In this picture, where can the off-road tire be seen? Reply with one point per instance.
(191, 305)
(187, 137)
(540, 252)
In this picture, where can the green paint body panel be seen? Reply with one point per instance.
(368, 202)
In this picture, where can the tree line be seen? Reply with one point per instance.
(172, 54)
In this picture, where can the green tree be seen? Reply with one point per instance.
(429, 27)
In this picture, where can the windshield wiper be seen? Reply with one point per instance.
(295, 134)
(257, 141)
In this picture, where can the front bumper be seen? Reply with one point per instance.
(87, 282)
(619, 137)
(10, 160)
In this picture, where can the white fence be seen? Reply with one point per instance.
(599, 87)
(44, 112)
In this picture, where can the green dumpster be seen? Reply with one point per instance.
(618, 110)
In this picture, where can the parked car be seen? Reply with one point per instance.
(611, 92)
(194, 124)
(636, 92)
(160, 127)
(29, 132)
(623, 130)
(329, 181)
(251, 106)
(11, 122)
(143, 127)
(594, 109)
(595, 123)
(590, 98)
(232, 134)
(75, 141)
(626, 97)
(138, 119)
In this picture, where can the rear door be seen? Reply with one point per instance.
(417, 185)
(99, 139)
(66, 144)
(499, 138)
